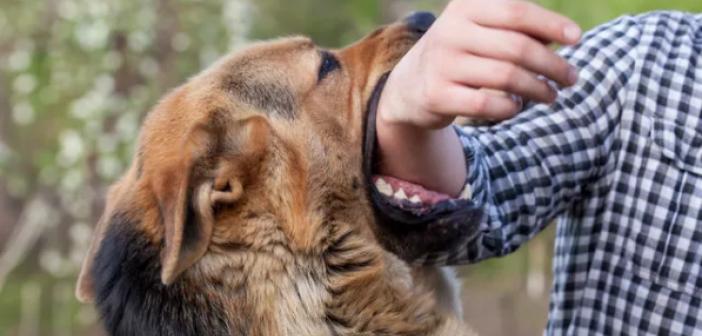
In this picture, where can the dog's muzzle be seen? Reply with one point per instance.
(420, 21)
(412, 231)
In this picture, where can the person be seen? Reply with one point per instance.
(604, 135)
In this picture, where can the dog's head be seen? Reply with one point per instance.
(262, 148)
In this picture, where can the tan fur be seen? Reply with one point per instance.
(286, 233)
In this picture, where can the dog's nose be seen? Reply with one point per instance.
(420, 21)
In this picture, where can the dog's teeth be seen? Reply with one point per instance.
(383, 187)
(400, 194)
(467, 193)
(415, 199)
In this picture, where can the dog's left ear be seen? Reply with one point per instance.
(187, 197)
(187, 219)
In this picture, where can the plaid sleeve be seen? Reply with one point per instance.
(526, 171)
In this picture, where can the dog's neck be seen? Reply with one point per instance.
(252, 293)
(131, 298)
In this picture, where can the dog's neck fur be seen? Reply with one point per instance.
(133, 301)
(328, 294)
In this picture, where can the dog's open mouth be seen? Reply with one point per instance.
(399, 200)
(402, 191)
(419, 221)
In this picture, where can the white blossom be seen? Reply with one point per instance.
(180, 42)
(72, 180)
(138, 41)
(19, 60)
(71, 149)
(92, 35)
(109, 167)
(23, 113)
(24, 83)
(148, 67)
(51, 261)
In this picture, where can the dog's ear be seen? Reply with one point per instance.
(186, 215)
(188, 197)
(187, 191)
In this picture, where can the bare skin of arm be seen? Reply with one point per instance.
(479, 60)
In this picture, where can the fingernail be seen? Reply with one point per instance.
(573, 75)
(517, 100)
(572, 32)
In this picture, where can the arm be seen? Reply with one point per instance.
(526, 171)
(474, 45)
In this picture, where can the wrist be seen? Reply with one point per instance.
(391, 106)
(432, 158)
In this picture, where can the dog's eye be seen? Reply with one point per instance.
(329, 63)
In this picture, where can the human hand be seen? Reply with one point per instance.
(475, 52)
(479, 59)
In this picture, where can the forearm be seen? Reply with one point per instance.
(432, 158)
(526, 171)
(475, 74)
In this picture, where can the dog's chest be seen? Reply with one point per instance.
(301, 307)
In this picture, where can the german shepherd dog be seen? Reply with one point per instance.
(246, 211)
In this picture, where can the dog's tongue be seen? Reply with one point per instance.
(402, 190)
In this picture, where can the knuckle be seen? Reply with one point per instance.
(508, 75)
(515, 10)
(431, 97)
(478, 103)
(523, 48)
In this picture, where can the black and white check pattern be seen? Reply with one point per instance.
(617, 160)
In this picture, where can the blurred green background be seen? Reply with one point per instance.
(77, 76)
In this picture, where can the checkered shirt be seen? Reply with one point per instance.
(617, 161)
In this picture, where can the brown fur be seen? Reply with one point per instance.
(249, 183)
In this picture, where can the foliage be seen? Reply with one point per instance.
(592, 12)
(81, 75)
(332, 23)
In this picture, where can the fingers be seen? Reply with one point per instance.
(520, 16)
(477, 56)
(521, 50)
(464, 101)
(479, 72)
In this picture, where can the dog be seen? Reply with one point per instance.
(245, 210)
